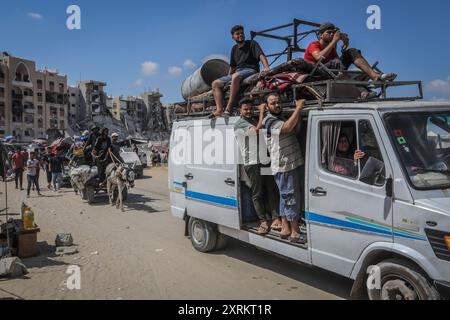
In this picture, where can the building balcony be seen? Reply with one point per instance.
(28, 98)
(29, 110)
(26, 84)
(17, 96)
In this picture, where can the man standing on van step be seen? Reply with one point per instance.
(325, 49)
(286, 161)
(244, 62)
(263, 187)
(18, 162)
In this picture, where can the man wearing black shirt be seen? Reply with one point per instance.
(244, 62)
(90, 143)
(101, 153)
(56, 167)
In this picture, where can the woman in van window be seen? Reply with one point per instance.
(346, 163)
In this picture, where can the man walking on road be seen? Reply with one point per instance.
(32, 167)
(56, 168)
(18, 162)
(46, 160)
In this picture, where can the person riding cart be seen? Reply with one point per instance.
(115, 147)
(100, 153)
(90, 143)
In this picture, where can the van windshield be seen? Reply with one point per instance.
(422, 140)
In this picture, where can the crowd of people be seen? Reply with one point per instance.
(31, 163)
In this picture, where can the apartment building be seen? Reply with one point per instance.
(73, 105)
(92, 98)
(32, 102)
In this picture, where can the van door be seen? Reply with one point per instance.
(178, 145)
(211, 185)
(347, 207)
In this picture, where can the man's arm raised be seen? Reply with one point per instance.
(329, 48)
(291, 123)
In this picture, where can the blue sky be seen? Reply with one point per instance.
(133, 45)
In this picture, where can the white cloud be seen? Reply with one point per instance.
(138, 83)
(216, 56)
(189, 64)
(149, 68)
(35, 16)
(175, 71)
(441, 87)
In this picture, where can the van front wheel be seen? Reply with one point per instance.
(203, 235)
(400, 280)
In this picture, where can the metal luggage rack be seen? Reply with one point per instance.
(324, 92)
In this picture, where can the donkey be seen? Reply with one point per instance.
(119, 176)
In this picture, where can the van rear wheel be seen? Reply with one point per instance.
(203, 235)
(402, 281)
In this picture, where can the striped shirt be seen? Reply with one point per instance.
(285, 152)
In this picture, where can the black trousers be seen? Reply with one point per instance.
(49, 176)
(345, 61)
(19, 177)
(32, 180)
(265, 195)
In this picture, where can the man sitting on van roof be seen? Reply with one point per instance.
(286, 162)
(244, 62)
(263, 187)
(325, 48)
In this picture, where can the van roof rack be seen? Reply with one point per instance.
(325, 93)
(325, 86)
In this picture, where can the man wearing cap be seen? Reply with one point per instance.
(244, 62)
(115, 147)
(325, 49)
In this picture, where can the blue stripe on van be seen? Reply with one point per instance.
(317, 218)
(228, 202)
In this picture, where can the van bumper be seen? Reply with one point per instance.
(443, 287)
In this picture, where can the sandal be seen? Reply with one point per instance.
(276, 227)
(285, 236)
(263, 228)
(299, 238)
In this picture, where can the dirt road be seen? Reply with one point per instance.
(142, 254)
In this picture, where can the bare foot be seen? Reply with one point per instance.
(218, 113)
(285, 233)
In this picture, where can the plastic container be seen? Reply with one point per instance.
(27, 217)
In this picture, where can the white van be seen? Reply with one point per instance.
(389, 223)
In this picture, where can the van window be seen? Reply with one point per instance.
(372, 167)
(339, 145)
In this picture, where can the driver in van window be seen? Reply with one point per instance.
(346, 162)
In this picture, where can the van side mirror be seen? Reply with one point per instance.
(389, 187)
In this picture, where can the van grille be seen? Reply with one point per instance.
(436, 239)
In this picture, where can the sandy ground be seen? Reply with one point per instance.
(143, 254)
